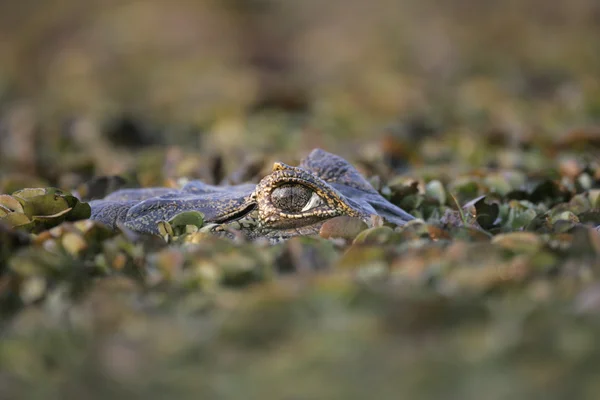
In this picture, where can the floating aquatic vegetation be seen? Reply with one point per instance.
(490, 140)
(38, 209)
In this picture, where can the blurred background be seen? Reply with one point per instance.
(87, 88)
(474, 96)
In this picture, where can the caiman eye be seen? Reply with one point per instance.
(294, 198)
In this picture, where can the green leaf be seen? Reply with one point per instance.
(15, 220)
(79, 210)
(195, 218)
(10, 203)
(435, 190)
(29, 193)
(47, 204)
(486, 213)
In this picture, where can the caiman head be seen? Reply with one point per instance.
(290, 201)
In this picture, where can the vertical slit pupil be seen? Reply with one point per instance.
(291, 197)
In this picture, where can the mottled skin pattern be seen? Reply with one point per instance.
(337, 189)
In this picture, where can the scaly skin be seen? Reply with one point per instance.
(335, 186)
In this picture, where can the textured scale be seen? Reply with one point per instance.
(248, 208)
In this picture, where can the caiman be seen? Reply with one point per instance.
(290, 201)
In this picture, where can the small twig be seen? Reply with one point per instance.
(460, 210)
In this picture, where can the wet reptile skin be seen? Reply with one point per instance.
(337, 188)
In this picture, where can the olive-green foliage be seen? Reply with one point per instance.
(479, 118)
